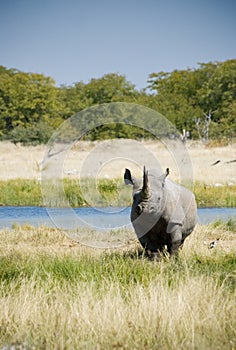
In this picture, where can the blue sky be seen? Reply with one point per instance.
(73, 41)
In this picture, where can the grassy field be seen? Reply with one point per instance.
(58, 294)
(108, 192)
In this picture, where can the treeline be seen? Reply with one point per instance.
(201, 101)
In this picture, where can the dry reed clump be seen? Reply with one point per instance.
(56, 294)
(195, 315)
(198, 242)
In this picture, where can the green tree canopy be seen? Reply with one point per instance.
(31, 104)
(26, 99)
(186, 95)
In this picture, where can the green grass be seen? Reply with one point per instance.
(20, 192)
(103, 193)
(58, 294)
(114, 268)
(206, 196)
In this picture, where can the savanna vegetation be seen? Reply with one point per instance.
(32, 106)
(24, 192)
(57, 294)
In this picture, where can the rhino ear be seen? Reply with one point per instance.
(128, 177)
(164, 176)
(167, 172)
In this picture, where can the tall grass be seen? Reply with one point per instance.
(57, 294)
(222, 196)
(103, 193)
(20, 192)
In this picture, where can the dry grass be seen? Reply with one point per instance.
(109, 158)
(57, 294)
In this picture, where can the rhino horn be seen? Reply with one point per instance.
(145, 188)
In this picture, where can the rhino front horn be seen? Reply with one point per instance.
(145, 189)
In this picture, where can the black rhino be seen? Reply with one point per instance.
(163, 213)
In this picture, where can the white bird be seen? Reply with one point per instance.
(213, 244)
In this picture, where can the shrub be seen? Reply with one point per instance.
(33, 135)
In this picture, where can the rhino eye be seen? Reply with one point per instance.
(139, 209)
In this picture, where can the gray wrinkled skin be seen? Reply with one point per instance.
(163, 213)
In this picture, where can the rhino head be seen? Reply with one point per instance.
(148, 195)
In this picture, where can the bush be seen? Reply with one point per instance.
(33, 135)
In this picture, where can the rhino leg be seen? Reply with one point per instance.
(150, 246)
(147, 243)
(175, 239)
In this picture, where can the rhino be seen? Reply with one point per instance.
(163, 213)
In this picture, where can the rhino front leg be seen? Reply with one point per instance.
(175, 238)
(147, 243)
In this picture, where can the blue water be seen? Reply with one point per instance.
(98, 218)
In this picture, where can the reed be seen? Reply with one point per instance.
(105, 192)
(20, 192)
(211, 196)
(57, 294)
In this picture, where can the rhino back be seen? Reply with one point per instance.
(180, 206)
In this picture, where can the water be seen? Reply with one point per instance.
(102, 218)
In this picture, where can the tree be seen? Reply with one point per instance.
(185, 96)
(27, 99)
(33, 135)
(30, 101)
